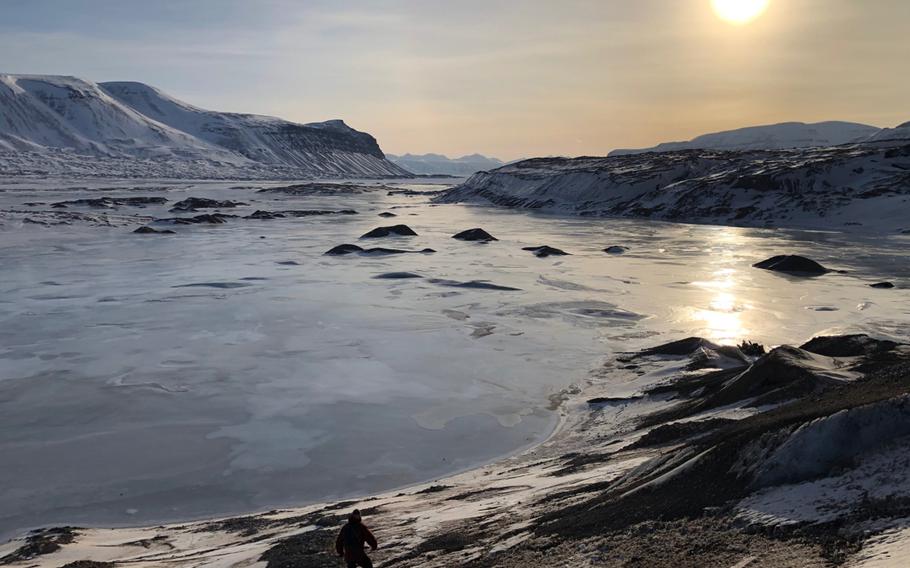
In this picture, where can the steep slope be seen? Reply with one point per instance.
(66, 112)
(439, 164)
(769, 137)
(821, 187)
(900, 132)
(263, 139)
(53, 124)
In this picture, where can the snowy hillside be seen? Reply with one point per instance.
(862, 184)
(770, 137)
(57, 124)
(900, 132)
(439, 164)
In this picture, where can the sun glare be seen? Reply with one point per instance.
(739, 12)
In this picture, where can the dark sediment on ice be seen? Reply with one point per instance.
(792, 264)
(194, 203)
(477, 234)
(390, 231)
(346, 249)
(545, 251)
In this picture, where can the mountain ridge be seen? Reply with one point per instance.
(49, 118)
(777, 136)
(430, 163)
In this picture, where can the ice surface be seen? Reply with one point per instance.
(132, 390)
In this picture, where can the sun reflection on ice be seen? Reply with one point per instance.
(722, 319)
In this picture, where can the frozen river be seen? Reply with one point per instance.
(232, 368)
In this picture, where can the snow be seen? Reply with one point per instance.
(900, 132)
(882, 474)
(60, 125)
(889, 549)
(834, 441)
(837, 188)
(770, 137)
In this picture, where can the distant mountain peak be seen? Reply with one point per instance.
(428, 164)
(778, 136)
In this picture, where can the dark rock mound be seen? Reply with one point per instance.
(222, 285)
(713, 470)
(381, 251)
(318, 212)
(146, 230)
(616, 249)
(475, 284)
(414, 192)
(545, 251)
(194, 203)
(207, 218)
(433, 489)
(288, 263)
(475, 235)
(265, 215)
(153, 231)
(792, 264)
(396, 230)
(111, 202)
(321, 188)
(882, 285)
(387, 214)
(350, 249)
(703, 353)
(678, 431)
(268, 215)
(41, 542)
(608, 400)
(397, 276)
(751, 348)
(312, 549)
(89, 564)
(679, 348)
(343, 249)
(848, 345)
(783, 374)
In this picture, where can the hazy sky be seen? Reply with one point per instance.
(504, 78)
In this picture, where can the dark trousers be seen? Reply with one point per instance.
(364, 562)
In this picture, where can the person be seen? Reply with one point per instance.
(349, 543)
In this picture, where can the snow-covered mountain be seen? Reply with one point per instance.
(770, 137)
(900, 132)
(69, 124)
(860, 184)
(429, 164)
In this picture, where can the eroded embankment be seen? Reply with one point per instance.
(725, 456)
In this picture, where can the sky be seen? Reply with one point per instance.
(509, 79)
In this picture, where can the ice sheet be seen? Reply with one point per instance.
(130, 394)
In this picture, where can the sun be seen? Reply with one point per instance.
(739, 12)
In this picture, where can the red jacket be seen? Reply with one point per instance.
(350, 541)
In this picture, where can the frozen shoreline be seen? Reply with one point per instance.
(460, 520)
